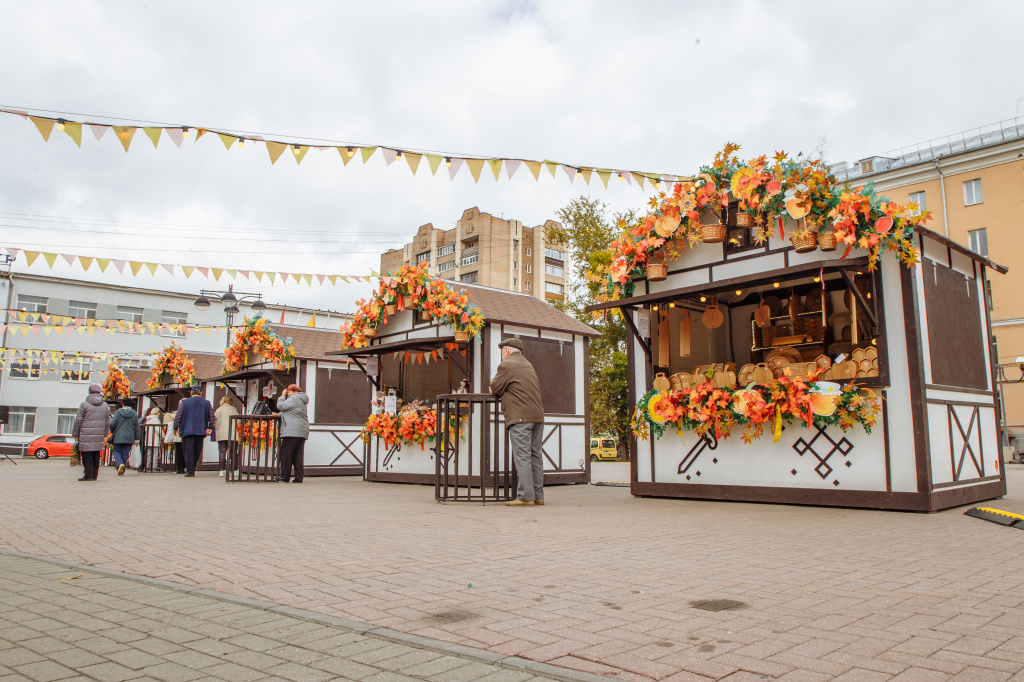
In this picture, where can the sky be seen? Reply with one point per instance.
(653, 86)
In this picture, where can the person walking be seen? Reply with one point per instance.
(90, 431)
(154, 439)
(124, 433)
(222, 420)
(516, 383)
(193, 421)
(292, 408)
(172, 441)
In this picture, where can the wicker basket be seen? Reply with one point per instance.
(391, 308)
(461, 337)
(657, 272)
(712, 234)
(744, 220)
(408, 302)
(370, 332)
(804, 243)
(827, 241)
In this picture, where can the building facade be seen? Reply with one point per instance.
(973, 183)
(489, 251)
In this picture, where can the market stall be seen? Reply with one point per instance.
(418, 338)
(787, 346)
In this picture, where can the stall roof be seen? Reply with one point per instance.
(205, 365)
(310, 343)
(960, 248)
(249, 373)
(524, 310)
(425, 344)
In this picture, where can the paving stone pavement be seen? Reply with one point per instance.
(596, 580)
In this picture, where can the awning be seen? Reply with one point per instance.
(250, 373)
(427, 344)
(163, 390)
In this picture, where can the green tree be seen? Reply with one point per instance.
(586, 233)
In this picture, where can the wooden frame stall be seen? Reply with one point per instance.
(554, 342)
(920, 336)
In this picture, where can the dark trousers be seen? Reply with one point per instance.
(222, 449)
(91, 464)
(193, 447)
(179, 458)
(291, 454)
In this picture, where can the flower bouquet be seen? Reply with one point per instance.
(116, 384)
(174, 362)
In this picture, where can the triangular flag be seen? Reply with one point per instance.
(259, 275)
(152, 268)
(233, 274)
(454, 168)
(168, 268)
(188, 269)
(217, 272)
(51, 258)
(244, 273)
(495, 165)
(153, 134)
(419, 358)
(320, 278)
(552, 166)
(389, 155)
(297, 277)
(70, 258)
(103, 263)
(177, 136)
(570, 171)
(475, 166)
(511, 166)
(271, 276)
(534, 167)
(345, 156)
(367, 152)
(44, 125)
(333, 279)
(300, 153)
(312, 321)
(435, 162)
(228, 140)
(434, 354)
(604, 175)
(85, 262)
(309, 280)
(586, 174)
(414, 161)
(208, 330)
(627, 176)
(125, 135)
(639, 177)
(98, 130)
(205, 272)
(46, 330)
(275, 149)
(199, 133)
(74, 131)
(13, 251)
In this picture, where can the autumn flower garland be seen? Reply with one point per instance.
(409, 427)
(174, 361)
(116, 384)
(257, 336)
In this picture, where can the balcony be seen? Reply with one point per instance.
(471, 251)
(469, 260)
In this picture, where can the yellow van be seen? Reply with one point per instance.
(603, 449)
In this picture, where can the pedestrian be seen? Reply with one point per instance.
(516, 383)
(193, 421)
(154, 439)
(222, 418)
(172, 441)
(90, 431)
(292, 408)
(124, 433)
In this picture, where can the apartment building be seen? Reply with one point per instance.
(973, 183)
(493, 252)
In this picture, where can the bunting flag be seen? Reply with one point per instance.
(390, 154)
(34, 322)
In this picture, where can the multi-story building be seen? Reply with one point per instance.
(493, 252)
(973, 183)
(43, 392)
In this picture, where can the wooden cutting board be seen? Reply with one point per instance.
(763, 314)
(684, 333)
(713, 317)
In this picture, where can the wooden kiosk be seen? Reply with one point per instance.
(916, 334)
(415, 356)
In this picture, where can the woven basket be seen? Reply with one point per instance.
(408, 302)
(370, 332)
(827, 241)
(744, 220)
(804, 243)
(461, 337)
(391, 308)
(712, 234)
(657, 272)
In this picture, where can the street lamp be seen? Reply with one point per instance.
(230, 300)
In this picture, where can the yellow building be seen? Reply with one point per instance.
(973, 183)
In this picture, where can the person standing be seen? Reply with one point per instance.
(193, 421)
(516, 383)
(90, 431)
(124, 432)
(292, 408)
(222, 418)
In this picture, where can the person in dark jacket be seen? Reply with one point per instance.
(193, 420)
(90, 431)
(292, 408)
(516, 383)
(124, 432)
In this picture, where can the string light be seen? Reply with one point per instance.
(241, 142)
(184, 131)
(654, 307)
(448, 161)
(657, 184)
(398, 155)
(621, 178)
(775, 284)
(703, 299)
(60, 124)
(350, 151)
(579, 173)
(672, 304)
(295, 150)
(739, 292)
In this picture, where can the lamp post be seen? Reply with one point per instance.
(230, 300)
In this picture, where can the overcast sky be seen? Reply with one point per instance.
(654, 86)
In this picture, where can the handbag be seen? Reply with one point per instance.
(135, 459)
(76, 457)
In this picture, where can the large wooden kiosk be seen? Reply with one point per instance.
(918, 335)
(417, 357)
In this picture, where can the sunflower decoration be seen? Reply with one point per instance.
(744, 182)
(657, 408)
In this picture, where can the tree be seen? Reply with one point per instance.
(587, 233)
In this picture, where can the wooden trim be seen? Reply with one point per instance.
(959, 248)
(915, 363)
(344, 470)
(885, 444)
(586, 407)
(957, 389)
(869, 499)
(631, 392)
(968, 481)
(969, 494)
(998, 397)
(553, 478)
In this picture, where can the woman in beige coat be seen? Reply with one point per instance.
(222, 427)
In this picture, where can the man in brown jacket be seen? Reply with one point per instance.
(517, 385)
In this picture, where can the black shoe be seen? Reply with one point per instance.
(296, 481)
(85, 478)
(189, 475)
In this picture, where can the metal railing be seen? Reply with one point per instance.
(254, 449)
(14, 449)
(156, 455)
(473, 463)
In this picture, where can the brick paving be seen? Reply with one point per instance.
(596, 580)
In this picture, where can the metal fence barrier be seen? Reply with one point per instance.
(253, 452)
(13, 449)
(156, 455)
(473, 463)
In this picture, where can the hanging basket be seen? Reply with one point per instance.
(391, 308)
(657, 272)
(408, 302)
(461, 337)
(281, 366)
(712, 234)
(804, 243)
(827, 241)
(744, 220)
(370, 332)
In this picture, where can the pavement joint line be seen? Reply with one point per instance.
(418, 641)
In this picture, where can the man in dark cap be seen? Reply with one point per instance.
(193, 420)
(517, 385)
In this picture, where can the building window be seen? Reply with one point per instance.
(169, 317)
(421, 257)
(82, 309)
(978, 242)
(515, 265)
(446, 250)
(75, 371)
(469, 278)
(554, 271)
(32, 304)
(988, 291)
(972, 192)
(529, 268)
(23, 420)
(446, 266)
(918, 198)
(553, 253)
(469, 260)
(553, 288)
(135, 363)
(515, 283)
(529, 286)
(126, 314)
(529, 251)
(24, 368)
(66, 420)
(515, 246)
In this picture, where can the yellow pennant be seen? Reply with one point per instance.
(51, 258)
(152, 268)
(586, 174)
(125, 135)
(208, 330)
(228, 140)
(367, 152)
(552, 166)
(188, 270)
(309, 280)
(300, 154)
(435, 162)
(475, 166)
(275, 149)
(44, 125)
(534, 167)
(217, 272)
(333, 279)
(103, 263)
(604, 175)
(345, 156)
(74, 131)
(153, 134)
(259, 275)
(639, 179)
(135, 266)
(296, 277)
(414, 161)
(495, 165)
(233, 274)
(85, 262)
(46, 330)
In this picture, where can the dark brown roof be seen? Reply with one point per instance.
(512, 307)
(310, 342)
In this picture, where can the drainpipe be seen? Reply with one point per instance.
(942, 185)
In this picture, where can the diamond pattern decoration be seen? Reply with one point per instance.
(828, 447)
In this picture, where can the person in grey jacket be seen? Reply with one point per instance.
(91, 427)
(124, 431)
(292, 408)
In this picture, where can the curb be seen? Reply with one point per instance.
(418, 641)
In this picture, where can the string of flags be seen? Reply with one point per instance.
(453, 163)
(102, 327)
(135, 267)
(31, 317)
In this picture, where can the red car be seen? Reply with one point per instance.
(51, 446)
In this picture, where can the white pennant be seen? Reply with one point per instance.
(168, 268)
(454, 168)
(119, 264)
(98, 130)
(69, 259)
(570, 171)
(177, 135)
(511, 166)
(389, 155)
